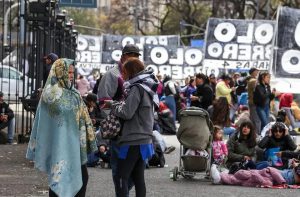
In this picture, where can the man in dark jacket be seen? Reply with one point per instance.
(48, 60)
(203, 96)
(7, 119)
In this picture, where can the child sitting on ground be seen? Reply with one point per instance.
(220, 150)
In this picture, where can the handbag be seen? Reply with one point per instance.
(110, 127)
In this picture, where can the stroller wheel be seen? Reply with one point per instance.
(175, 173)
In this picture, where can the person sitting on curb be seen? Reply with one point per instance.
(7, 119)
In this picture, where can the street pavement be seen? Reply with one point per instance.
(19, 178)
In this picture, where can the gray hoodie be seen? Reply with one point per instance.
(138, 115)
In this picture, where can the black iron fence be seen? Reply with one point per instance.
(30, 29)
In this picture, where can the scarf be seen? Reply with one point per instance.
(147, 80)
(62, 132)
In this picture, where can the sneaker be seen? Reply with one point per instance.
(169, 149)
(215, 174)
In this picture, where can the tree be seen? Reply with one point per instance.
(250, 9)
(85, 17)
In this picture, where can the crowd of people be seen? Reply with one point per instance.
(240, 106)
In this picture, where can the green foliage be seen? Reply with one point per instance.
(85, 17)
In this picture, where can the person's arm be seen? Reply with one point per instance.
(9, 112)
(232, 156)
(290, 154)
(264, 142)
(224, 148)
(290, 144)
(107, 87)
(127, 109)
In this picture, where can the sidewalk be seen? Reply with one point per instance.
(17, 175)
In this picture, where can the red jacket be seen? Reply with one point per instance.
(286, 100)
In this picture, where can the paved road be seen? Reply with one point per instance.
(18, 178)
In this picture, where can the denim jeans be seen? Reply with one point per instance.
(229, 130)
(170, 102)
(254, 118)
(262, 164)
(288, 175)
(10, 124)
(291, 117)
(114, 157)
(263, 114)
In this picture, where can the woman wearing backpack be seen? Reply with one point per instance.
(262, 97)
(137, 113)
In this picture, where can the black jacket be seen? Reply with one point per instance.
(284, 143)
(262, 94)
(205, 94)
(98, 115)
(4, 108)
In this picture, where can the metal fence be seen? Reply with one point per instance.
(29, 31)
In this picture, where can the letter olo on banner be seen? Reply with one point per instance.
(238, 44)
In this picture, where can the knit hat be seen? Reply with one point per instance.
(52, 56)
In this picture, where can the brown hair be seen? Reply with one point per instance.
(133, 66)
(220, 115)
(216, 130)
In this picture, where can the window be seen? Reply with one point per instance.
(9, 73)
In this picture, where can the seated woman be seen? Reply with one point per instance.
(254, 178)
(241, 146)
(278, 138)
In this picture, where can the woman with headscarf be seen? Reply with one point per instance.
(62, 133)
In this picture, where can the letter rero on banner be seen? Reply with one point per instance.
(238, 44)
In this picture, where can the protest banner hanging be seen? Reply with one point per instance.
(162, 53)
(286, 61)
(178, 62)
(238, 44)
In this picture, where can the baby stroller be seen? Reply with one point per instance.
(194, 133)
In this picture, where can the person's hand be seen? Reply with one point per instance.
(286, 132)
(93, 121)
(102, 149)
(295, 163)
(107, 103)
(233, 88)
(270, 133)
(278, 154)
(247, 158)
(194, 98)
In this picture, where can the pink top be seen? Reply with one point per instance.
(219, 149)
(83, 86)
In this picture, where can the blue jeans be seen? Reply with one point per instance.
(170, 102)
(114, 157)
(261, 165)
(228, 130)
(10, 124)
(288, 175)
(263, 114)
